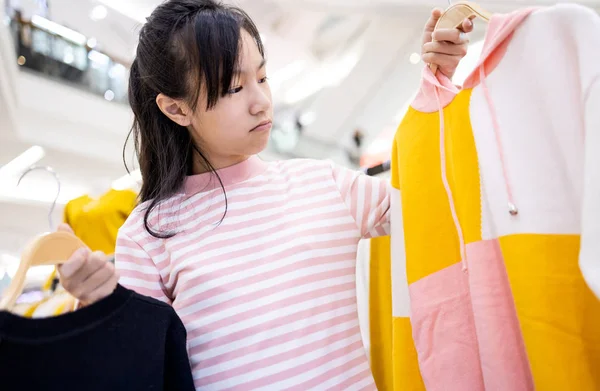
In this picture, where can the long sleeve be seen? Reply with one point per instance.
(178, 372)
(367, 198)
(137, 270)
(590, 231)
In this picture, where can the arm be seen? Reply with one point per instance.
(137, 270)
(589, 256)
(367, 199)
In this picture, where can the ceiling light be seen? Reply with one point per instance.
(39, 191)
(99, 12)
(415, 58)
(98, 59)
(117, 71)
(308, 118)
(57, 29)
(68, 58)
(128, 181)
(22, 162)
(109, 95)
(328, 75)
(92, 42)
(137, 10)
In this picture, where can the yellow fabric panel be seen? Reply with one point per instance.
(31, 309)
(380, 313)
(48, 284)
(393, 355)
(463, 166)
(559, 315)
(394, 168)
(97, 221)
(405, 364)
(431, 238)
(66, 305)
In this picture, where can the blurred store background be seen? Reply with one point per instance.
(342, 74)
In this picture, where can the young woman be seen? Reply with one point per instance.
(257, 258)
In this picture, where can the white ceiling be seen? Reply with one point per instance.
(308, 39)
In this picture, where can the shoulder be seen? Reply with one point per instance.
(577, 19)
(134, 226)
(564, 12)
(295, 165)
(301, 170)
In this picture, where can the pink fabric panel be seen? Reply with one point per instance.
(504, 361)
(444, 332)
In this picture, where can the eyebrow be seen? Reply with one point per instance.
(262, 64)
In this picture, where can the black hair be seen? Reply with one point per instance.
(185, 47)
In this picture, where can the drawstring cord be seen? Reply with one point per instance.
(512, 207)
(461, 239)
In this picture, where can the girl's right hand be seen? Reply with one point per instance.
(87, 276)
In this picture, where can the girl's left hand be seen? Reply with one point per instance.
(87, 276)
(445, 47)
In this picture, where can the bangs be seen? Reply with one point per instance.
(212, 45)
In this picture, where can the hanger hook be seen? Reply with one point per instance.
(55, 175)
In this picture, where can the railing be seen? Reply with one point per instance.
(68, 56)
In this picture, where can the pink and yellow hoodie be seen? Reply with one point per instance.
(496, 222)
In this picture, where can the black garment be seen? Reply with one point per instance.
(126, 342)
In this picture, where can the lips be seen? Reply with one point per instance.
(265, 125)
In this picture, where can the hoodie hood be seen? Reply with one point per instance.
(437, 91)
(497, 38)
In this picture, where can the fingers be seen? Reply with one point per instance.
(450, 35)
(65, 228)
(446, 63)
(430, 25)
(103, 281)
(74, 264)
(436, 13)
(467, 25)
(84, 273)
(444, 48)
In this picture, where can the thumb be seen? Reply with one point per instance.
(63, 227)
(436, 13)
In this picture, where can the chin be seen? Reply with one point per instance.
(258, 144)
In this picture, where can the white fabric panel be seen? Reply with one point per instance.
(362, 291)
(590, 237)
(541, 126)
(400, 294)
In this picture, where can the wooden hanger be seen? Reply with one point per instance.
(454, 16)
(48, 249)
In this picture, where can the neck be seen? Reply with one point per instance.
(217, 163)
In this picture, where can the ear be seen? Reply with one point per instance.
(176, 110)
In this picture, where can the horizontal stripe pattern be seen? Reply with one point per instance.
(268, 294)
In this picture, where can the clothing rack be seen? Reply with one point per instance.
(378, 169)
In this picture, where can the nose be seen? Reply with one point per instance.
(261, 99)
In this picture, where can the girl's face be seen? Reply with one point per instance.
(239, 125)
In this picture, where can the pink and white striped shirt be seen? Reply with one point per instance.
(267, 296)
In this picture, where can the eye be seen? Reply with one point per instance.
(263, 80)
(234, 90)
